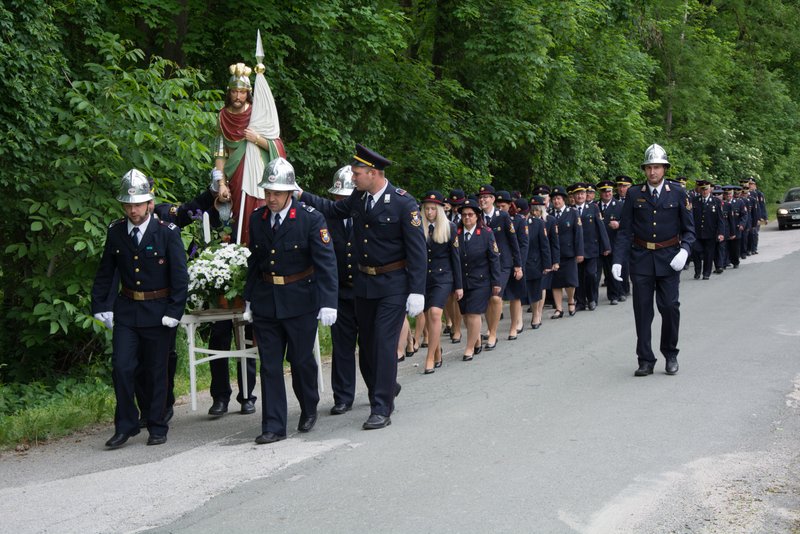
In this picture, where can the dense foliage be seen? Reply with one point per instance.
(457, 92)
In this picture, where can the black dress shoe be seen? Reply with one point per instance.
(706, 278)
(536, 326)
(269, 437)
(519, 330)
(578, 307)
(467, 358)
(447, 330)
(340, 408)
(119, 439)
(718, 271)
(484, 337)
(510, 338)
(614, 302)
(375, 421)
(644, 369)
(306, 422)
(429, 371)
(218, 408)
(248, 407)
(697, 276)
(672, 366)
(438, 364)
(592, 306)
(488, 347)
(156, 440)
(478, 349)
(455, 341)
(623, 298)
(397, 388)
(423, 346)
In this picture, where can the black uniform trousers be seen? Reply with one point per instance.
(613, 287)
(293, 337)
(344, 333)
(220, 339)
(587, 289)
(379, 323)
(704, 255)
(733, 251)
(142, 387)
(665, 289)
(721, 255)
(152, 345)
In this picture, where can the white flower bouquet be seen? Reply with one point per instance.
(218, 273)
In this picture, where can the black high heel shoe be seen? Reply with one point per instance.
(438, 363)
(478, 349)
(558, 314)
(536, 325)
(571, 309)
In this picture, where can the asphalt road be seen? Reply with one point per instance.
(549, 433)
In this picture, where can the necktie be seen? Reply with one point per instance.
(558, 214)
(430, 231)
(603, 208)
(580, 211)
(369, 203)
(488, 220)
(655, 194)
(135, 236)
(348, 224)
(468, 236)
(277, 223)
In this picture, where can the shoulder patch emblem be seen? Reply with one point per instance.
(526, 230)
(511, 227)
(324, 236)
(494, 247)
(415, 219)
(688, 204)
(308, 208)
(401, 192)
(455, 241)
(114, 223)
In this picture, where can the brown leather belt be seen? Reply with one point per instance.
(655, 246)
(380, 269)
(283, 280)
(145, 295)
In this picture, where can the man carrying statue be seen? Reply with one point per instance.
(249, 138)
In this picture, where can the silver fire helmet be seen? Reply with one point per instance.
(343, 182)
(240, 77)
(134, 188)
(655, 155)
(279, 176)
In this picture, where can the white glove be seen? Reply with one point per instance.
(169, 322)
(616, 272)
(216, 176)
(415, 304)
(107, 318)
(247, 316)
(679, 260)
(327, 316)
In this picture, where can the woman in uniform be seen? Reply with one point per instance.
(515, 289)
(570, 239)
(538, 261)
(444, 272)
(480, 271)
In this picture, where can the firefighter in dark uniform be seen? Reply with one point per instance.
(570, 238)
(391, 262)
(624, 183)
(721, 250)
(151, 261)
(736, 223)
(291, 283)
(344, 332)
(510, 260)
(538, 260)
(760, 206)
(595, 245)
(611, 211)
(707, 211)
(657, 233)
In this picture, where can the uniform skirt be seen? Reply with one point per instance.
(534, 288)
(515, 289)
(475, 300)
(505, 273)
(436, 294)
(545, 282)
(567, 274)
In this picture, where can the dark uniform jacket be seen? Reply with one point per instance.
(390, 232)
(159, 262)
(538, 251)
(480, 259)
(570, 234)
(612, 212)
(738, 214)
(444, 266)
(654, 221)
(707, 217)
(301, 242)
(521, 231)
(345, 255)
(552, 236)
(505, 235)
(595, 238)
